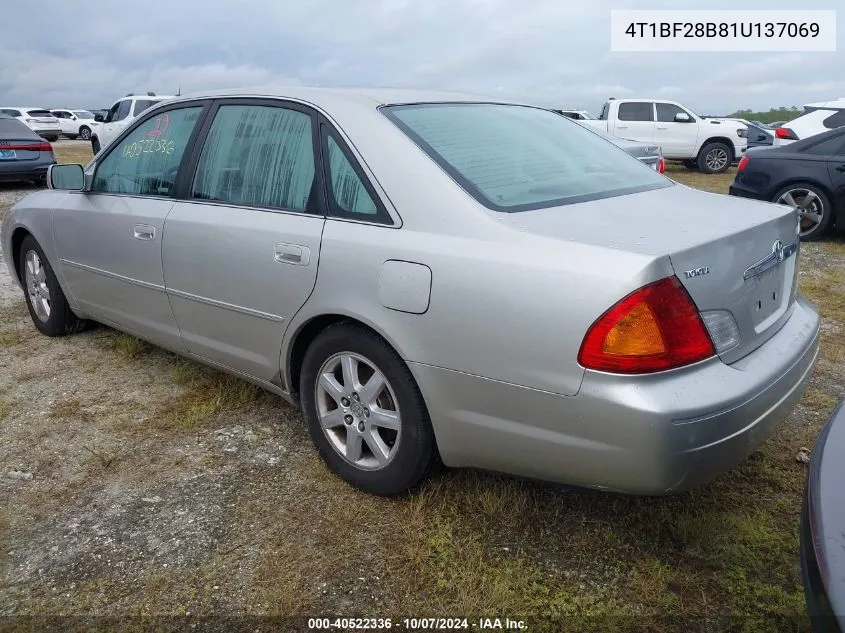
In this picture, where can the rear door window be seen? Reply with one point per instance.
(636, 111)
(261, 156)
(39, 113)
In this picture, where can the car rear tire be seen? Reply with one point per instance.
(691, 164)
(365, 412)
(813, 205)
(85, 133)
(48, 307)
(714, 158)
(52, 138)
(95, 145)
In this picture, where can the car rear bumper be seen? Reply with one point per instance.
(45, 132)
(737, 189)
(650, 434)
(17, 171)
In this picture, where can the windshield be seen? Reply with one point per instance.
(39, 113)
(517, 158)
(83, 114)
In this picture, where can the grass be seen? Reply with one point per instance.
(76, 152)
(128, 346)
(715, 183)
(204, 393)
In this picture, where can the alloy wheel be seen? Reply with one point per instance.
(809, 205)
(358, 411)
(36, 286)
(716, 159)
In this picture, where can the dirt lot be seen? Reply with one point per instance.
(134, 484)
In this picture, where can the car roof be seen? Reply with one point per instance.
(333, 97)
(837, 104)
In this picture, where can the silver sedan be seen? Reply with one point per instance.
(434, 277)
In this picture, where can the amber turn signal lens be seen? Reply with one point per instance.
(655, 328)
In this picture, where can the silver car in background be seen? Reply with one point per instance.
(647, 153)
(434, 277)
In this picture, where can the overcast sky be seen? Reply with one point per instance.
(550, 52)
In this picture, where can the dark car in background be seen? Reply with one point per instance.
(808, 175)
(24, 155)
(823, 529)
(759, 136)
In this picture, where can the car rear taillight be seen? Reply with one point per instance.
(655, 328)
(43, 146)
(786, 133)
(661, 166)
(743, 163)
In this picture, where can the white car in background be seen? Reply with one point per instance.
(122, 113)
(816, 118)
(578, 115)
(76, 123)
(39, 120)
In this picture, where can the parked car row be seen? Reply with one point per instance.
(50, 124)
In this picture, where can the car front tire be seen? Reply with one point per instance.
(365, 412)
(95, 145)
(85, 133)
(714, 158)
(813, 205)
(48, 307)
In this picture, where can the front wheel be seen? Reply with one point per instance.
(813, 206)
(95, 145)
(47, 305)
(364, 411)
(85, 133)
(714, 158)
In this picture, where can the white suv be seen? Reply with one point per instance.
(817, 118)
(120, 114)
(39, 120)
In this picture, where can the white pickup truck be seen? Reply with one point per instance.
(710, 145)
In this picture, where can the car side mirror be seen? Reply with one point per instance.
(99, 118)
(66, 177)
(682, 117)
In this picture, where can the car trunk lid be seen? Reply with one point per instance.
(730, 254)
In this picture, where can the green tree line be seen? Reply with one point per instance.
(774, 114)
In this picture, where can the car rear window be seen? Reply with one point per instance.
(517, 158)
(39, 113)
(835, 120)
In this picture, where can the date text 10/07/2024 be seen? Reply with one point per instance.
(417, 624)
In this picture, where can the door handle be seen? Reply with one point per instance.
(292, 254)
(841, 168)
(662, 127)
(621, 127)
(144, 232)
